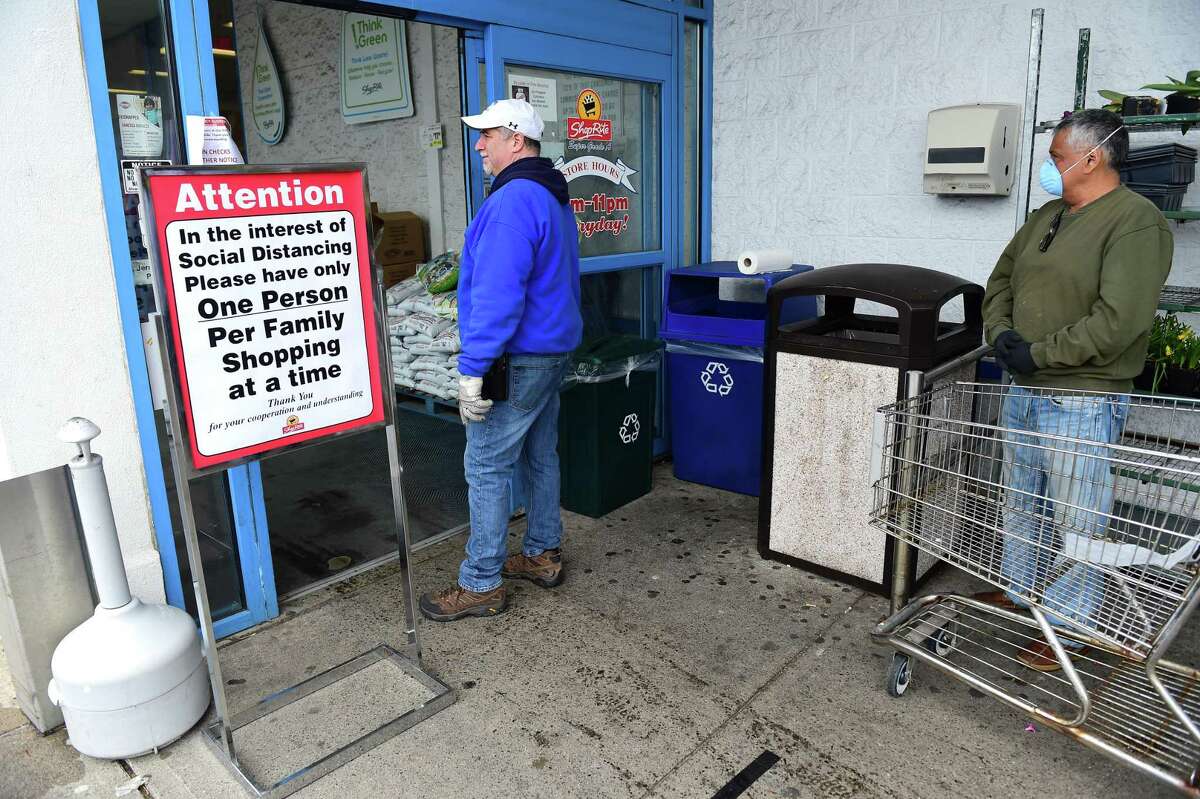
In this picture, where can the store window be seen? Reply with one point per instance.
(604, 134)
(146, 129)
(145, 124)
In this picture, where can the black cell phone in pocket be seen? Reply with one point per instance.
(495, 382)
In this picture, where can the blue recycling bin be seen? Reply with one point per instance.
(714, 324)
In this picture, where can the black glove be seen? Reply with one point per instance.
(1003, 342)
(1014, 353)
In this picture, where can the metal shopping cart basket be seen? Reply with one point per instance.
(1102, 548)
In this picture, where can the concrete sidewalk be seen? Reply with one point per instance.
(671, 658)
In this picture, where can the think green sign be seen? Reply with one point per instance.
(374, 68)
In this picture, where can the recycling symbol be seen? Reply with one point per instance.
(716, 378)
(630, 429)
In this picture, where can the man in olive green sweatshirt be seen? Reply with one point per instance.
(1069, 305)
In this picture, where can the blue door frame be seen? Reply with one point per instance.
(544, 33)
(196, 86)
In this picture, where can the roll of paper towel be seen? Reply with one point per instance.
(753, 262)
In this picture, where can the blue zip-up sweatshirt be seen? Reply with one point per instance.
(518, 283)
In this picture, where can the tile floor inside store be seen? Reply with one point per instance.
(669, 660)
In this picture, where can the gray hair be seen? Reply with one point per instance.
(530, 144)
(1086, 129)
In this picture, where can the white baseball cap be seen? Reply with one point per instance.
(516, 115)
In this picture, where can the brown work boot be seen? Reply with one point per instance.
(996, 598)
(545, 569)
(1040, 656)
(456, 602)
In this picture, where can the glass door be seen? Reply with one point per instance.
(605, 109)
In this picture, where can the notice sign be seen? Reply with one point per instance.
(210, 141)
(139, 118)
(270, 302)
(129, 172)
(541, 93)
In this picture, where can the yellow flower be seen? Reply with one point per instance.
(1185, 335)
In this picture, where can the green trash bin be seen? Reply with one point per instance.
(606, 424)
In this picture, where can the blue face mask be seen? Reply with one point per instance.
(1052, 180)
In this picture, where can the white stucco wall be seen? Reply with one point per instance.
(306, 44)
(63, 354)
(820, 109)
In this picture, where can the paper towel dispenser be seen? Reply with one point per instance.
(970, 149)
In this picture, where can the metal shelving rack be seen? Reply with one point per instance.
(1180, 299)
(1149, 124)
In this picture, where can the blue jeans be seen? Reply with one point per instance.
(1052, 485)
(523, 429)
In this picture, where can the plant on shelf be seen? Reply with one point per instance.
(1114, 100)
(1173, 356)
(1130, 105)
(1184, 97)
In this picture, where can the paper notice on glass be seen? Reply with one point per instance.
(142, 275)
(210, 141)
(139, 118)
(375, 80)
(541, 93)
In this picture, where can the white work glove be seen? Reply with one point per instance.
(472, 407)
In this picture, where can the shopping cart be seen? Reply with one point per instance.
(1114, 524)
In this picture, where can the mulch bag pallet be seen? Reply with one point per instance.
(423, 328)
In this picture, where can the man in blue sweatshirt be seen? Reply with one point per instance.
(518, 300)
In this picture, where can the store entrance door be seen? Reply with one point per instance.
(605, 109)
(326, 511)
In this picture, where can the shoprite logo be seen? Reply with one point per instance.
(716, 379)
(630, 429)
(294, 425)
(588, 105)
(589, 129)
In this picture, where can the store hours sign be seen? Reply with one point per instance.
(270, 304)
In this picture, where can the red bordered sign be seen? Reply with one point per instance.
(269, 296)
(589, 129)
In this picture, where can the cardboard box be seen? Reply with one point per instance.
(401, 239)
(394, 273)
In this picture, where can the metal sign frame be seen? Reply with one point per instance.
(219, 734)
(150, 237)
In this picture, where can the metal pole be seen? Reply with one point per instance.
(183, 491)
(1029, 126)
(400, 509)
(1081, 68)
(904, 554)
(396, 469)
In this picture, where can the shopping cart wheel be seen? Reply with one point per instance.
(942, 642)
(899, 674)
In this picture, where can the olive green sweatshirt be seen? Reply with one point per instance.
(1086, 304)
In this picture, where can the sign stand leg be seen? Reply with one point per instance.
(400, 509)
(183, 491)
